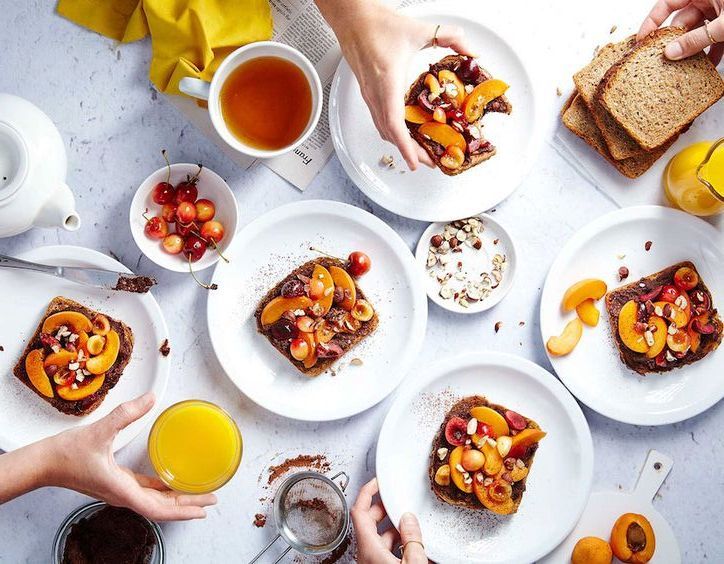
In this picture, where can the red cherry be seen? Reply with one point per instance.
(358, 263)
(168, 212)
(485, 429)
(186, 212)
(173, 244)
(194, 247)
(156, 227)
(205, 210)
(515, 420)
(185, 229)
(186, 190)
(456, 431)
(163, 193)
(669, 294)
(212, 231)
(686, 278)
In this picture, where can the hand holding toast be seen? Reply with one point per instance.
(692, 15)
(378, 44)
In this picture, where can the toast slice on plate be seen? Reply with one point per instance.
(654, 99)
(75, 357)
(658, 325)
(482, 455)
(333, 325)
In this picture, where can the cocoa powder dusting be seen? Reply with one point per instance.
(306, 461)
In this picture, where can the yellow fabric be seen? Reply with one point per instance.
(188, 37)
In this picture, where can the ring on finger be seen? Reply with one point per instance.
(402, 547)
(708, 32)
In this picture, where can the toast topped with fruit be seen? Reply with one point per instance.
(665, 320)
(444, 109)
(481, 456)
(75, 357)
(318, 313)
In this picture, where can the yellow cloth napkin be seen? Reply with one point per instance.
(188, 37)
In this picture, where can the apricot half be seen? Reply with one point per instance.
(77, 321)
(591, 550)
(342, 279)
(564, 343)
(275, 308)
(311, 358)
(523, 440)
(591, 288)
(659, 337)
(504, 507)
(633, 539)
(491, 418)
(36, 373)
(588, 312)
(83, 390)
(415, 114)
(443, 134)
(456, 458)
(61, 358)
(627, 319)
(103, 362)
(325, 302)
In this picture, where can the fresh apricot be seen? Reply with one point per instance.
(61, 358)
(343, 280)
(499, 491)
(433, 85)
(83, 390)
(72, 319)
(592, 550)
(482, 94)
(363, 310)
(493, 460)
(565, 342)
(583, 290)
(679, 342)
(276, 308)
(36, 373)
(633, 539)
(525, 439)
(101, 325)
(659, 336)
(453, 158)
(322, 275)
(455, 460)
(627, 323)
(453, 88)
(676, 314)
(311, 359)
(107, 357)
(588, 312)
(443, 134)
(491, 418)
(415, 114)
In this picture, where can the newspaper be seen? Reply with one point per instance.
(300, 24)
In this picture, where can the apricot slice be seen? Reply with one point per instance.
(103, 362)
(659, 337)
(276, 308)
(456, 457)
(415, 114)
(588, 312)
(482, 94)
(583, 290)
(679, 342)
(325, 302)
(453, 158)
(443, 134)
(564, 343)
(493, 460)
(694, 335)
(77, 321)
(627, 320)
(83, 390)
(61, 358)
(342, 279)
(311, 359)
(482, 492)
(491, 418)
(678, 315)
(433, 85)
(523, 440)
(633, 539)
(36, 373)
(454, 89)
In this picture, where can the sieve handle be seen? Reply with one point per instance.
(267, 547)
(344, 482)
(282, 555)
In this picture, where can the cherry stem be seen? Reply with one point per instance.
(168, 165)
(216, 248)
(316, 250)
(193, 275)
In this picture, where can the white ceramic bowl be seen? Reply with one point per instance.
(492, 231)
(211, 186)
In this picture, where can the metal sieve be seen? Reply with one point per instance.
(310, 513)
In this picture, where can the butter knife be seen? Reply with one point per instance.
(95, 277)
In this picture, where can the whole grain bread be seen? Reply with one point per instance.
(90, 403)
(500, 104)
(619, 143)
(450, 493)
(346, 341)
(638, 362)
(653, 98)
(577, 118)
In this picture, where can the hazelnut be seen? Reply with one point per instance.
(477, 244)
(509, 463)
(648, 244)
(454, 242)
(436, 240)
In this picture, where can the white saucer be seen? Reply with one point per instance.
(558, 484)
(266, 251)
(593, 372)
(428, 194)
(24, 417)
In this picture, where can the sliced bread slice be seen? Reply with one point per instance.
(578, 119)
(620, 144)
(653, 98)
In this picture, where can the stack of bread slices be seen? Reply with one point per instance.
(631, 103)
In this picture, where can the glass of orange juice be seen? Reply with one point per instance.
(694, 178)
(195, 446)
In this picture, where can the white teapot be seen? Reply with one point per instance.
(33, 192)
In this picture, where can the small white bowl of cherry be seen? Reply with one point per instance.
(183, 217)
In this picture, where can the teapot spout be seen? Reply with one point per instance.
(59, 210)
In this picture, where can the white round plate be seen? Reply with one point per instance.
(593, 372)
(474, 262)
(267, 250)
(605, 507)
(563, 463)
(428, 194)
(24, 417)
(211, 186)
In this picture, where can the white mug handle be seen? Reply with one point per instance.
(195, 87)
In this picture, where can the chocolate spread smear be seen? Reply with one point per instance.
(134, 284)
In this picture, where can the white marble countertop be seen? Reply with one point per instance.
(114, 125)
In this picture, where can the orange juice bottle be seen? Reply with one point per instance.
(195, 446)
(694, 178)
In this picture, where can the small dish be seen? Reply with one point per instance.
(157, 557)
(211, 186)
(474, 262)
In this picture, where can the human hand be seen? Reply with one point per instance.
(376, 548)
(378, 43)
(82, 459)
(691, 15)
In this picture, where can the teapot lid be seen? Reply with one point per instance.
(13, 161)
